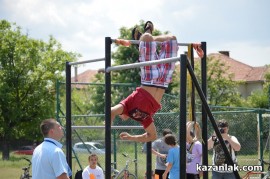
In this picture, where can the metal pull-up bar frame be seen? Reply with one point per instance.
(108, 127)
(135, 42)
(184, 66)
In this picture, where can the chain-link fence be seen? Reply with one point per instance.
(250, 126)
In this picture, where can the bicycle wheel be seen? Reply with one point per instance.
(23, 176)
(120, 175)
(130, 176)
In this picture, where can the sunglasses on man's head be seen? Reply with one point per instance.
(222, 124)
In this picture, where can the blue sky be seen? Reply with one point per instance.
(239, 26)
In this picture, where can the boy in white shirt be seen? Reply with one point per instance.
(93, 169)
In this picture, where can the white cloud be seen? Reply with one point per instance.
(251, 54)
(81, 26)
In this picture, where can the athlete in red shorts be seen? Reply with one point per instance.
(143, 103)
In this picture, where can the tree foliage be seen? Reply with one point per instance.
(29, 69)
(261, 98)
(222, 90)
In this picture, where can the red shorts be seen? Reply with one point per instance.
(141, 106)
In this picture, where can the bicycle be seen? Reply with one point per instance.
(266, 174)
(26, 170)
(124, 173)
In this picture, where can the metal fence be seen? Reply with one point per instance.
(250, 126)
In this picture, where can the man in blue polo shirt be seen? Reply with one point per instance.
(49, 161)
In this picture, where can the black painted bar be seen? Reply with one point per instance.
(211, 118)
(183, 115)
(192, 86)
(68, 116)
(204, 114)
(149, 160)
(108, 108)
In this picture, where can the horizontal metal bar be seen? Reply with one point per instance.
(89, 115)
(139, 64)
(230, 112)
(103, 127)
(99, 84)
(87, 61)
(102, 84)
(138, 41)
(102, 115)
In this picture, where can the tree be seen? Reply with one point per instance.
(221, 90)
(267, 87)
(29, 69)
(258, 99)
(261, 98)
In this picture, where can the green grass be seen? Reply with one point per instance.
(141, 164)
(11, 169)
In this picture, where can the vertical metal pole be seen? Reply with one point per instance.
(57, 99)
(68, 115)
(268, 139)
(260, 137)
(204, 114)
(183, 115)
(114, 148)
(136, 158)
(211, 118)
(148, 160)
(192, 88)
(269, 97)
(108, 42)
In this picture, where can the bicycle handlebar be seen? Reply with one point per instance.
(129, 159)
(28, 160)
(261, 160)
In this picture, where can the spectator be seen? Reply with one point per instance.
(173, 158)
(93, 169)
(160, 149)
(194, 150)
(219, 158)
(48, 160)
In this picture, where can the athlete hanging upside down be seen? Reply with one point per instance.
(143, 103)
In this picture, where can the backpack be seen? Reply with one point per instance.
(189, 153)
(78, 174)
(219, 155)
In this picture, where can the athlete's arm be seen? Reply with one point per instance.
(149, 135)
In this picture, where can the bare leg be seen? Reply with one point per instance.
(118, 110)
(162, 38)
(146, 37)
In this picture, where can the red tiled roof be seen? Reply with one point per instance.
(241, 71)
(85, 77)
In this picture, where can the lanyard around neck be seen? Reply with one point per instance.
(50, 141)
